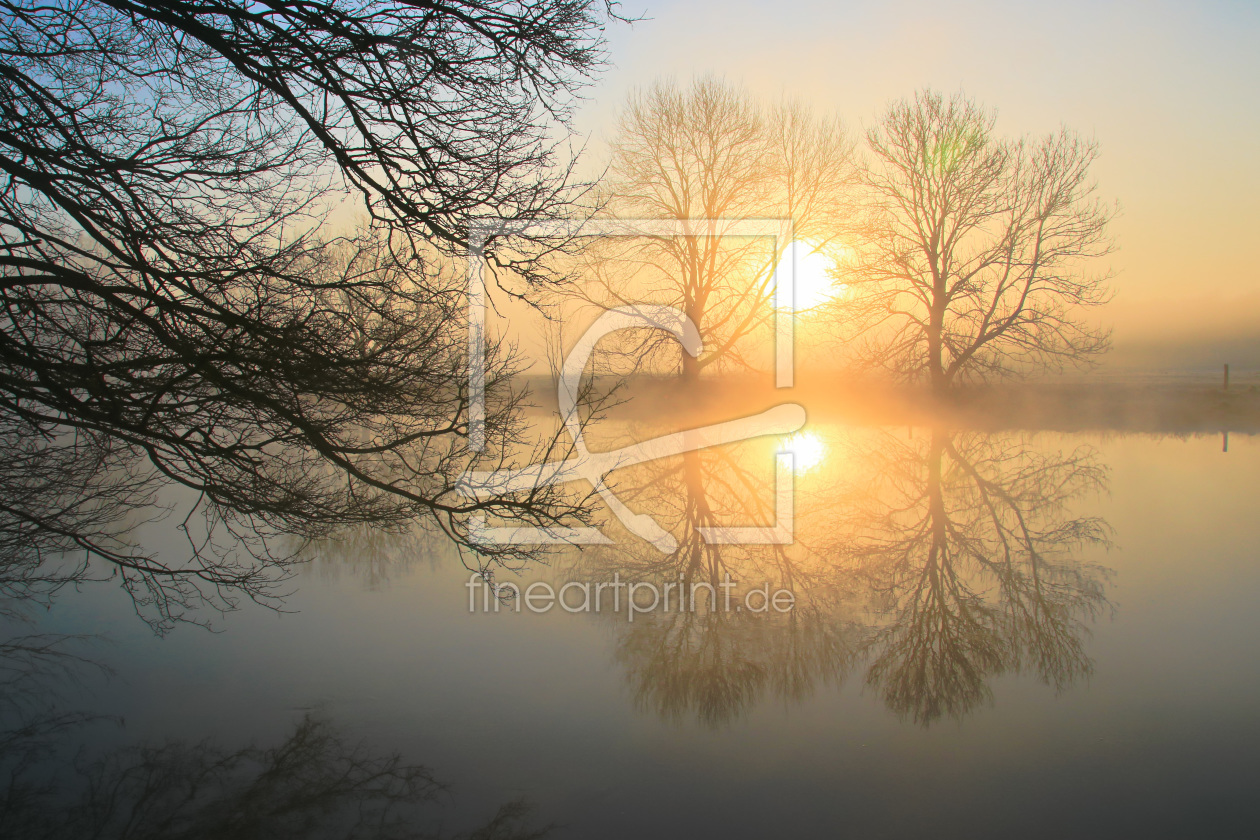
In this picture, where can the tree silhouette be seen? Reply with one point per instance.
(174, 309)
(936, 564)
(966, 542)
(711, 661)
(313, 784)
(971, 249)
(711, 157)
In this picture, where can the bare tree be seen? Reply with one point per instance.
(972, 248)
(711, 157)
(315, 783)
(172, 306)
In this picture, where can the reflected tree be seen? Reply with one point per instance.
(376, 556)
(716, 666)
(714, 660)
(314, 784)
(936, 563)
(968, 544)
(37, 673)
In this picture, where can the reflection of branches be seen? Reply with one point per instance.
(967, 543)
(717, 665)
(961, 545)
(707, 660)
(314, 784)
(33, 666)
(36, 672)
(376, 556)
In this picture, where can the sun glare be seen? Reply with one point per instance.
(807, 449)
(810, 269)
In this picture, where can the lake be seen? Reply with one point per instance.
(992, 634)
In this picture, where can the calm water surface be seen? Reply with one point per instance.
(995, 635)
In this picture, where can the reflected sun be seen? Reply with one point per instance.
(807, 449)
(810, 270)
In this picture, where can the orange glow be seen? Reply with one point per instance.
(808, 450)
(811, 270)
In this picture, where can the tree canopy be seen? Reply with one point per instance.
(175, 308)
(973, 250)
(712, 157)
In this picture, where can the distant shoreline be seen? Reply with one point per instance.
(1148, 402)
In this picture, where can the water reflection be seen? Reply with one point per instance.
(926, 563)
(374, 556)
(969, 547)
(707, 661)
(714, 666)
(314, 783)
(808, 451)
(935, 561)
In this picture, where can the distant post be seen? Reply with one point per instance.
(1226, 377)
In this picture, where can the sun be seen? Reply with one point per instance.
(807, 449)
(810, 268)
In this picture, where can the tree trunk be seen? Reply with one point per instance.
(691, 364)
(690, 368)
(936, 366)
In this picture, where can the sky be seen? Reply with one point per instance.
(1171, 93)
